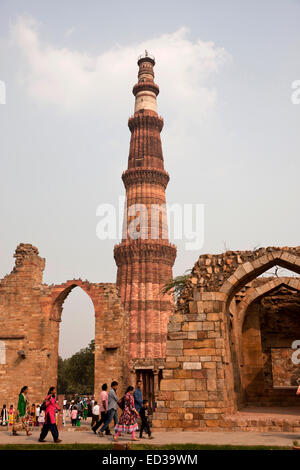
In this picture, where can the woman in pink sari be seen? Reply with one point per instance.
(50, 421)
(128, 419)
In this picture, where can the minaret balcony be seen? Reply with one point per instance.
(146, 85)
(141, 175)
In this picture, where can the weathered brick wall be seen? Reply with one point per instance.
(31, 313)
(285, 373)
(199, 385)
(211, 273)
(193, 393)
(200, 382)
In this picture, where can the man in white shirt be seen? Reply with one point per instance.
(96, 413)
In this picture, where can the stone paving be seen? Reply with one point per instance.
(161, 438)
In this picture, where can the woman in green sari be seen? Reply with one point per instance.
(85, 410)
(21, 422)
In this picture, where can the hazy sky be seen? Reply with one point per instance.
(230, 141)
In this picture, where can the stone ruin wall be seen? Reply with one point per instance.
(198, 386)
(30, 318)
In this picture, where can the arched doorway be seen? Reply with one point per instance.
(76, 341)
(77, 328)
(271, 325)
(76, 345)
(264, 323)
(247, 277)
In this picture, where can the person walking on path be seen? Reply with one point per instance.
(33, 415)
(138, 396)
(95, 414)
(4, 416)
(37, 412)
(103, 410)
(50, 422)
(85, 410)
(20, 421)
(128, 418)
(41, 419)
(90, 406)
(144, 417)
(112, 413)
(74, 415)
(11, 414)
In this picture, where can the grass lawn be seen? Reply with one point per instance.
(100, 447)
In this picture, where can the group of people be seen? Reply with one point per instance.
(34, 415)
(7, 416)
(79, 408)
(21, 417)
(132, 405)
(25, 416)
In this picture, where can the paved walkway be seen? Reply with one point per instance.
(160, 438)
(261, 413)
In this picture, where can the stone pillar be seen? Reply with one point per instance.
(197, 385)
(60, 400)
(156, 385)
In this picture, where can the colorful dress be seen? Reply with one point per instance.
(21, 418)
(30, 419)
(22, 405)
(128, 419)
(11, 416)
(51, 408)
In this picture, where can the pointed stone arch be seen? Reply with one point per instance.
(60, 293)
(201, 345)
(111, 329)
(260, 347)
(249, 270)
(256, 292)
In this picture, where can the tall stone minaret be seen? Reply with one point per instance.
(145, 257)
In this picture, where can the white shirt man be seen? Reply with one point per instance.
(96, 410)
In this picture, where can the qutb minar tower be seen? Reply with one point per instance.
(145, 257)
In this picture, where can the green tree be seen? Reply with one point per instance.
(62, 383)
(176, 285)
(76, 374)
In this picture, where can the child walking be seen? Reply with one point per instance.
(74, 414)
(11, 415)
(144, 411)
(4, 416)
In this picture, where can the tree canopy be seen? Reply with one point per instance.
(76, 373)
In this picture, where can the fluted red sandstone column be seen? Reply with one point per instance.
(145, 264)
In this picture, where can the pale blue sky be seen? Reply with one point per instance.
(231, 136)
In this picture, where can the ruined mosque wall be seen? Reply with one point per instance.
(200, 384)
(29, 329)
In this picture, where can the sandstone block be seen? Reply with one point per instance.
(181, 396)
(189, 384)
(170, 384)
(192, 365)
